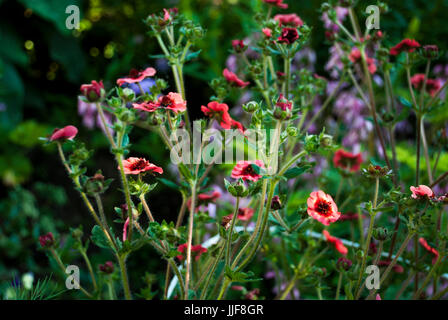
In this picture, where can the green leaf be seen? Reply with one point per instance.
(296, 171)
(52, 10)
(169, 183)
(99, 238)
(192, 55)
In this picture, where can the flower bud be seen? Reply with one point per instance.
(251, 106)
(276, 204)
(326, 140)
(343, 264)
(95, 184)
(380, 234)
(430, 52)
(292, 131)
(225, 222)
(107, 267)
(127, 94)
(47, 240)
(237, 189)
(77, 233)
(93, 92)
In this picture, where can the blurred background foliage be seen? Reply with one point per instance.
(42, 65)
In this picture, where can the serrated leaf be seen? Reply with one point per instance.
(99, 238)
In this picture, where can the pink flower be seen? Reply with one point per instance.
(277, 3)
(355, 57)
(238, 45)
(125, 229)
(322, 208)
(245, 171)
(336, 242)
(408, 45)
(289, 20)
(203, 199)
(378, 297)
(135, 165)
(198, 249)
(172, 101)
(347, 160)
(267, 32)
(94, 91)
(233, 79)
(421, 191)
(137, 76)
(66, 133)
(146, 106)
(245, 214)
(430, 249)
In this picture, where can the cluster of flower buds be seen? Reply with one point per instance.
(375, 171)
(276, 203)
(430, 52)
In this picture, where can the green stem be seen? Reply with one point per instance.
(190, 239)
(338, 288)
(229, 237)
(124, 276)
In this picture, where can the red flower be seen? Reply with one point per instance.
(245, 171)
(408, 45)
(219, 111)
(66, 133)
(288, 35)
(336, 242)
(432, 85)
(277, 3)
(267, 32)
(135, 165)
(198, 249)
(233, 124)
(46, 240)
(428, 248)
(396, 268)
(289, 20)
(322, 207)
(355, 57)
(137, 76)
(421, 191)
(233, 79)
(94, 91)
(172, 101)
(347, 160)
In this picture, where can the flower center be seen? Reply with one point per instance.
(323, 207)
(134, 73)
(139, 165)
(249, 170)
